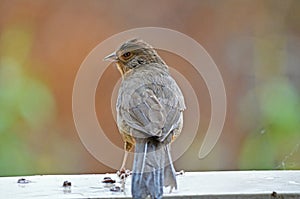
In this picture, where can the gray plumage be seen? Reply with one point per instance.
(149, 109)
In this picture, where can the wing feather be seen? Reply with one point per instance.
(152, 108)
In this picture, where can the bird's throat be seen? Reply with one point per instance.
(122, 69)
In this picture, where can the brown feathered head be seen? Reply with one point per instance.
(134, 54)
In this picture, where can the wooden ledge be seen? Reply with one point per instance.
(209, 185)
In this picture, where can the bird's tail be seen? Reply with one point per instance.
(152, 169)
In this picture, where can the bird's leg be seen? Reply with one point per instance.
(123, 173)
(124, 160)
(122, 170)
(127, 148)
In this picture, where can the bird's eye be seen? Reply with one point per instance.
(126, 55)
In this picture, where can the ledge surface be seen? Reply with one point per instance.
(217, 185)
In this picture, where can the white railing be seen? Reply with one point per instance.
(208, 185)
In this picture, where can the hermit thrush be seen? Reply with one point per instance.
(150, 109)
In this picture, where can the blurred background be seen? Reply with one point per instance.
(255, 44)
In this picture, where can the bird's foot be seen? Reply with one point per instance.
(180, 173)
(123, 173)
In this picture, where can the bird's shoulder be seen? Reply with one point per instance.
(152, 78)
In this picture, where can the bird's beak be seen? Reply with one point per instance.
(112, 57)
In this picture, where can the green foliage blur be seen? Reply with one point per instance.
(276, 144)
(255, 44)
(26, 103)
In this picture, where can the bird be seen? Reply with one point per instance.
(150, 108)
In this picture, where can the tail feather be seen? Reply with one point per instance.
(152, 169)
(169, 171)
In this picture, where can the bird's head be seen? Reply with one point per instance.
(133, 54)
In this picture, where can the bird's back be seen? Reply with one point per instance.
(150, 103)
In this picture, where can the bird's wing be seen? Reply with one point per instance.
(152, 110)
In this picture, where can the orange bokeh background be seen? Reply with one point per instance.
(255, 44)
